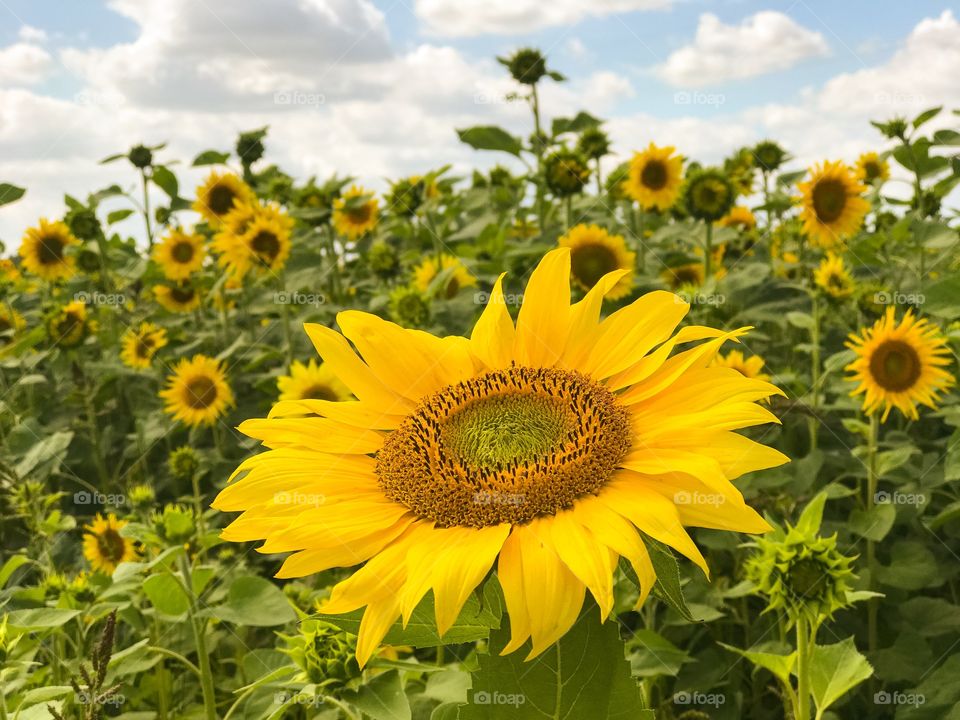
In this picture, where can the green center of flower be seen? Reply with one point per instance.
(182, 252)
(589, 263)
(220, 199)
(50, 251)
(807, 578)
(201, 392)
(654, 175)
(895, 366)
(829, 199)
(507, 446)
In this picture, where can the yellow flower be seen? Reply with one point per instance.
(593, 253)
(740, 218)
(655, 178)
(218, 195)
(899, 366)
(872, 169)
(140, 345)
(69, 326)
(544, 446)
(832, 275)
(254, 238)
(197, 392)
(311, 382)
(355, 213)
(180, 298)
(44, 250)
(426, 271)
(833, 208)
(684, 277)
(11, 323)
(751, 367)
(9, 272)
(103, 545)
(180, 254)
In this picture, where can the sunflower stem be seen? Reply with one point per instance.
(203, 659)
(146, 208)
(708, 252)
(871, 547)
(803, 670)
(814, 420)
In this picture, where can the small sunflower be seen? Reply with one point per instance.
(219, 194)
(768, 156)
(593, 253)
(740, 218)
(460, 277)
(69, 325)
(751, 367)
(655, 178)
(899, 366)
(103, 545)
(872, 169)
(180, 254)
(355, 213)
(11, 323)
(833, 208)
(264, 244)
(409, 306)
(180, 298)
(9, 272)
(197, 392)
(44, 250)
(140, 345)
(709, 194)
(832, 275)
(311, 382)
(684, 277)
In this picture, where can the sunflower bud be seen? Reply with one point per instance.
(409, 307)
(250, 146)
(383, 259)
(141, 496)
(406, 196)
(83, 223)
(709, 194)
(324, 653)
(593, 143)
(614, 184)
(140, 156)
(174, 524)
(566, 173)
(768, 156)
(527, 66)
(183, 463)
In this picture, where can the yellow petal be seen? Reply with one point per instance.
(584, 320)
(320, 434)
(350, 412)
(544, 319)
(493, 335)
(587, 558)
(345, 554)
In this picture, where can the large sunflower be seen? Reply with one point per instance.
(180, 298)
(355, 213)
(311, 382)
(557, 444)
(197, 392)
(871, 168)
(833, 208)
(254, 238)
(180, 254)
(833, 277)
(655, 178)
(103, 545)
(899, 366)
(593, 253)
(218, 195)
(139, 346)
(460, 277)
(44, 250)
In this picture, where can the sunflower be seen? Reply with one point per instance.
(566, 172)
(832, 206)
(9, 272)
(709, 194)
(180, 298)
(11, 323)
(44, 250)
(254, 237)
(219, 194)
(197, 392)
(355, 213)
(140, 345)
(103, 545)
(871, 168)
(832, 275)
(655, 178)
(593, 253)
(460, 277)
(751, 367)
(684, 277)
(180, 254)
(311, 382)
(740, 218)
(556, 444)
(899, 365)
(69, 325)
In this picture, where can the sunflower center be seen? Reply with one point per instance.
(111, 545)
(319, 392)
(871, 170)
(220, 199)
(50, 251)
(654, 175)
(895, 366)
(359, 214)
(266, 245)
(507, 446)
(829, 199)
(807, 578)
(201, 393)
(182, 252)
(591, 262)
(182, 294)
(144, 347)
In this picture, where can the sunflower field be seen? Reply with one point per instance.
(558, 439)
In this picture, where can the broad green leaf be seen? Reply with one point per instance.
(490, 137)
(667, 587)
(835, 670)
(211, 157)
(53, 446)
(166, 595)
(254, 601)
(382, 698)
(10, 193)
(913, 567)
(781, 666)
(890, 460)
(812, 515)
(925, 116)
(874, 523)
(164, 179)
(930, 616)
(799, 319)
(652, 655)
(118, 215)
(40, 618)
(10, 567)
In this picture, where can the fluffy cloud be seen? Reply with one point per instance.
(23, 63)
(457, 18)
(762, 43)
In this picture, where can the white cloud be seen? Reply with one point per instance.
(28, 33)
(458, 18)
(766, 42)
(23, 64)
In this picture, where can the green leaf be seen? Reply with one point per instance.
(925, 116)
(834, 670)
(667, 587)
(946, 137)
(800, 319)
(10, 567)
(812, 515)
(211, 157)
(10, 193)
(913, 567)
(942, 298)
(583, 675)
(40, 618)
(52, 447)
(490, 137)
(780, 665)
(931, 617)
(118, 215)
(581, 122)
(652, 655)
(875, 523)
(890, 460)
(166, 595)
(382, 698)
(165, 180)
(254, 601)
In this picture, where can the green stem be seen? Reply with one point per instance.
(814, 421)
(871, 547)
(198, 505)
(91, 417)
(203, 658)
(803, 670)
(146, 209)
(285, 317)
(708, 253)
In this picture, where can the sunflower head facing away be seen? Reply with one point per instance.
(45, 250)
(180, 254)
(833, 208)
(197, 392)
(655, 177)
(218, 195)
(355, 213)
(311, 382)
(180, 298)
(833, 277)
(103, 545)
(548, 448)
(458, 278)
(872, 169)
(900, 365)
(593, 253)
(709, 194)
(566, 172)
(141, 344)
